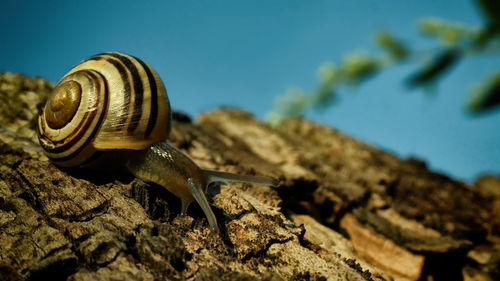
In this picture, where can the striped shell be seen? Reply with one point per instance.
(109, 101)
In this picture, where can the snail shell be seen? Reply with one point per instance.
(109, 101)
(116, 102)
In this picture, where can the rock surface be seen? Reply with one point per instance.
(344, 210)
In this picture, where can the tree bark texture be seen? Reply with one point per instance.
(343, 210)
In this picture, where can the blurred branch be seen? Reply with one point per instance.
(455, 42)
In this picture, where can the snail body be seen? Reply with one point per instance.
(116, 103)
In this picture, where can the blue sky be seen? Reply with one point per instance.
(245, 53)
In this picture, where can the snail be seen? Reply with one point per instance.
(116, 105)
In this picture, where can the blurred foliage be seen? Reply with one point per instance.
(485, 95)
(395, 48)
(435, 68)
(449, 33)
(455, 42)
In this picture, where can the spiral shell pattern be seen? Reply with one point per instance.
(109, 101)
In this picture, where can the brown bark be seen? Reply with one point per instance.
(344, 210)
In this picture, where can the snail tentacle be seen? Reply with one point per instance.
(218, 176)
(184, 206)
(197, 191)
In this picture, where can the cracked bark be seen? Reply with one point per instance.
(343, 210)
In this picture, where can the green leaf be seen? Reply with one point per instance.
(358, 66)
(391, 44)
(274, 118)
(329, 76)
(485, 95)
(434, 69)
(449, 33)
(491, 10)
(329, 73)
(323, 96)
(293, 103)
